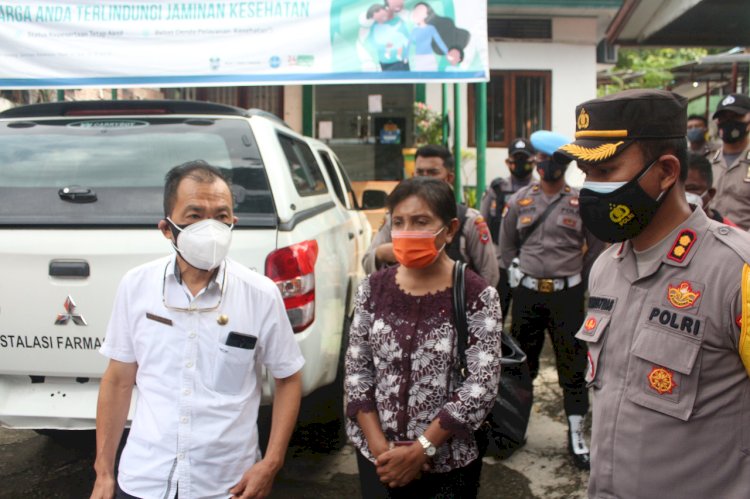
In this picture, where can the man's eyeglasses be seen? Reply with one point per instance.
(192, 308)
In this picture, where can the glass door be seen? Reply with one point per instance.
(367, 126)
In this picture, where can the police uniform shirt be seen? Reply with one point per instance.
(732, 183)
(671, 407)
(475, 247)
(555, 248)
(708, 150)
(491, 208)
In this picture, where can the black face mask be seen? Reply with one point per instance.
(732, 131)
(521, 168)
(552, 171)
(621, 214)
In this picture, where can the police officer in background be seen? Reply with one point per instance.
(542, 242)
(699, 188)
(665, 326)
(697, 134)
(520, 163)
(473, 244)
(731, 164)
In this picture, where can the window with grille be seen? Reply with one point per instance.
(518, 103)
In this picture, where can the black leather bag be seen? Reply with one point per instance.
(504, 428)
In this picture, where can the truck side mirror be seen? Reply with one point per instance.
(373, 199)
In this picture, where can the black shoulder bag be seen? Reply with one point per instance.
(531, 228)
(504, 429)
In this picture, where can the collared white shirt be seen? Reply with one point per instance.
(197, 407)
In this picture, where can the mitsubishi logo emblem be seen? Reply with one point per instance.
(70, 313)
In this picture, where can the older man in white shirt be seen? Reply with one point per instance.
(192, 331)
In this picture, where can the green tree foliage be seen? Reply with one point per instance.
(647, 68)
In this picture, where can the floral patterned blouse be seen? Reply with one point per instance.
(401, 361)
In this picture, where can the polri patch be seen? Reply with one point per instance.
(661, 380)
(590, 324)
(682, 245)
(683, 295)
(679, 322)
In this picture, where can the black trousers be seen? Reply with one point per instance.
(459, 483)
(561, 313)
(119, 494)
(505, 292)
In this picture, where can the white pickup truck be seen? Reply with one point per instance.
(81, 188)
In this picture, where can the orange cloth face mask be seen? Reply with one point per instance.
(415, 249)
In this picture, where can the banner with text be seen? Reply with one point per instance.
(138, 43)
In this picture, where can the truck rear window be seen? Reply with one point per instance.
(110, 171)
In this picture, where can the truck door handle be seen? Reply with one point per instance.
(69, 268)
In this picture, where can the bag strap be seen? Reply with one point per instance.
(531, 228)
(744, 345)
(459, 315)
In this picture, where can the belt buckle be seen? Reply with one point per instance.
(546, 285)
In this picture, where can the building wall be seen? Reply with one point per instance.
(571, 57)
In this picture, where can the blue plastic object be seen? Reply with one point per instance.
(548, 142)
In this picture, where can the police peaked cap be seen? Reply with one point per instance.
(522, 146)
(606, 126)
(737, 103)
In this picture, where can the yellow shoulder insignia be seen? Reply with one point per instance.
(744, 345)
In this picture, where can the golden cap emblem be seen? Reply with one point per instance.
(583, 119)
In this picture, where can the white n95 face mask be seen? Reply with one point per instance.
(204, 244)
(695, 199)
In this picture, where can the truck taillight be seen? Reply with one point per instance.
(293, 270)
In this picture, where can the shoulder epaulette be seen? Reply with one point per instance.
(736, 239)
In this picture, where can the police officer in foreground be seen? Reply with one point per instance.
(520, 163)
(473, 244)
(731, 164)
(665, 327)
(542, 241)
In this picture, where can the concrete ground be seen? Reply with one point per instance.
(539, 470)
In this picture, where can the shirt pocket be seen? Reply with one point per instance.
(664, 372)
(592, 333)
(231, 368)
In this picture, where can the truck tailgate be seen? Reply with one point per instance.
(53, 326)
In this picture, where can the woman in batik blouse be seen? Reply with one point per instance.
(409, 413)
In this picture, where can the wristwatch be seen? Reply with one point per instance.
(429, 449)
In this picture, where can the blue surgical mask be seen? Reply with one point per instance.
(602, 187)
(696, 134)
